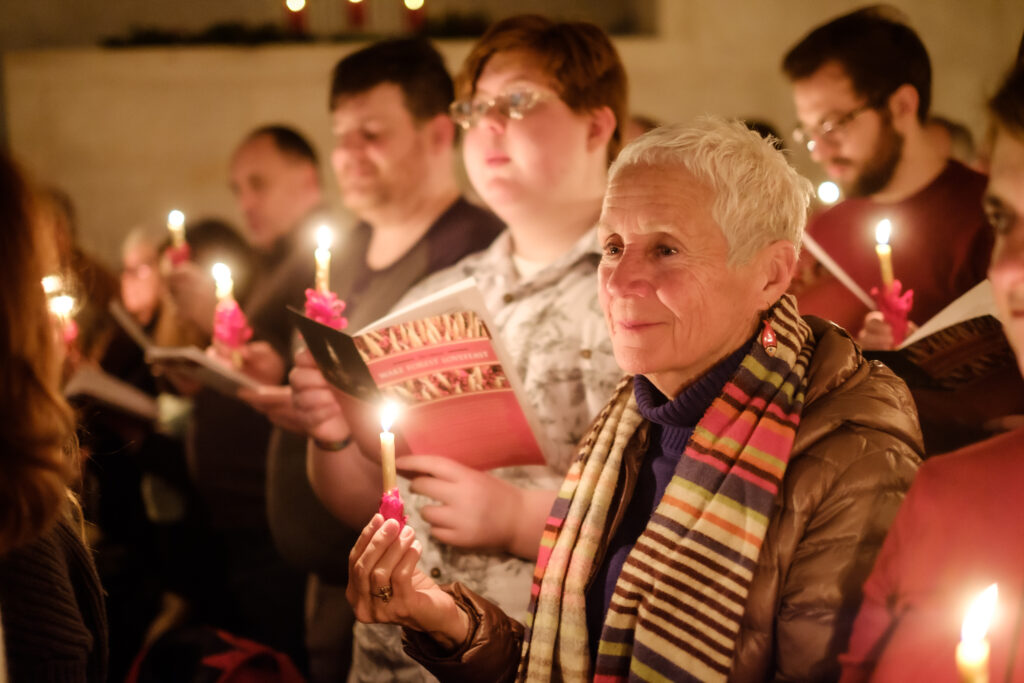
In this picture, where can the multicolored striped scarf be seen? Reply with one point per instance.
(679, 601)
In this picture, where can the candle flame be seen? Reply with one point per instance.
(414, 4)
(324, 237)
(828, 192)
(979, 615)
(883, 231)
(62, 305)
(52, 284)
(295, 5)
(220, 272)
(388, 413)
(175, 219)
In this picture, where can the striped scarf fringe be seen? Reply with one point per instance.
(678, 604)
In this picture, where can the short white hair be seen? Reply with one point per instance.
(758, 197)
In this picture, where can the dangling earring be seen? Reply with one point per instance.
(768, 339)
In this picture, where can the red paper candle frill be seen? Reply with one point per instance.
(391, 507)
(894, 304)
(230, 326)
(179, 254)
(326, 308)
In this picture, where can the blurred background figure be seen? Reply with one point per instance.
(54, 620)
(953, 138)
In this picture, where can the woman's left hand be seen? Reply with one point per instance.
(386, 586)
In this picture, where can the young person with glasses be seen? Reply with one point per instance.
(862, 89)
(540, 103)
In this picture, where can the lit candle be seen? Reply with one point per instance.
(973, 650)
(62, 306)
(882, 233)
(52, 284)
(323, 258)
(222, 278)
(176, 226)
(387, 446)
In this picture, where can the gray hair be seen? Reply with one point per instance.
(758, 197)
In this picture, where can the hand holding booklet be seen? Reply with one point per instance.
(438, 358)
(188, 360)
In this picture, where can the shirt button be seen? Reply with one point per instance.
(435, 573)
(586, 353)
(508, 298)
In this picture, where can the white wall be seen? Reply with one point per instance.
(133, 133)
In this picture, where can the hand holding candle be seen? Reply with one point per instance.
(179, 251)
(973, 650)
(892, 301)
(391, 506)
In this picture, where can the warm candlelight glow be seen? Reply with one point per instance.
(979, 615)
(62, 306)
(828, 192)
(387, 446)
(414, 4)
(295, 5)
(355, 2)
(973, 651)
(324, 237)
(222, 277)
(883, 231)
(176, 225)
(52, 284)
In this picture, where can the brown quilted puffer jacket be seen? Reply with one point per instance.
(856, 452)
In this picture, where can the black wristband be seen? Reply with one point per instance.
(333, 445)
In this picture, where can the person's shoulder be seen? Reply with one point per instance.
(850, 395)
(994, 459)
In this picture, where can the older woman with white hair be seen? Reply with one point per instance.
(730, 498)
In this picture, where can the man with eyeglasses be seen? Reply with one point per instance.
(862, 89)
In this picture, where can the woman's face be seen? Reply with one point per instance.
(1004, 204)
(673, 305)
(517, 164)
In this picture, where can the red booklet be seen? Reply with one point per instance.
(438, 358)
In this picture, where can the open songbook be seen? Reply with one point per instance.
(188, 360)
(438, 358)
(93, 382)
(961, 343)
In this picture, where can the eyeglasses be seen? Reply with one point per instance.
(513, 104)
(829, 128)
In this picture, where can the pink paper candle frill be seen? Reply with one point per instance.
(179, 254)
(391, 507)
(230, 326)
(326, 308)
(894, 304)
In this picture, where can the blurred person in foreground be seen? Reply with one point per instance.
(54, 621)
(729, 499)
(540, 102)
(862, 90)
(961, 527)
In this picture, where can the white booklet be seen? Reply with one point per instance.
(188, 360)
